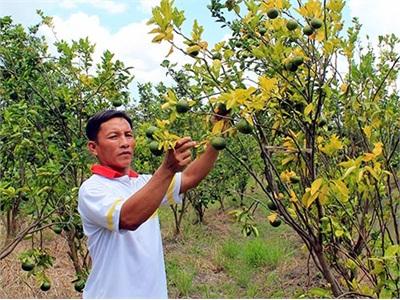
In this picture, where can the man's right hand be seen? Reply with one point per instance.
(177, 159)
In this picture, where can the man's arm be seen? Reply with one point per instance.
(198, 169)
(142, 204)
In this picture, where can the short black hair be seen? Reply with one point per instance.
(94, 123)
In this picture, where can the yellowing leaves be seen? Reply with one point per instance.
(376, 152)
(312, 192)
(218, 126)
(286, 175)
(279, 4)
(268, 85)
(311, 9)
(237, 97)
(339, 188)
(332, 146)
(335, 5)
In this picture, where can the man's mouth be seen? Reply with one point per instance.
(126, 153)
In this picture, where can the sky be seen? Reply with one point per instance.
(120, 26)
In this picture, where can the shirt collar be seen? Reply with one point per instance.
(110, 173)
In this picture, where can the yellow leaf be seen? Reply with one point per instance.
(316, 185)
(308, 198)
(272, 217)
(372, 172)
(349, 170)
(171, 50)
(342, 189)
(267, 84)
(293, 196)
(333, 145)
(309, 108)
(367, 131)
(165, 105)
(377, 149)
(292, 212)
(218, 126)
(286, 175)
(287, 160)
(158, 38)
(323, 194)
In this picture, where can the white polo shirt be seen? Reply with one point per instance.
(125, 264)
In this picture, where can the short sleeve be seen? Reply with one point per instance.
(173, 195)
(98, 206)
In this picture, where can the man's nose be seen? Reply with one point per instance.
(125, 142)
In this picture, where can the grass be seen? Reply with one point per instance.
(216, 261)
(211, 260)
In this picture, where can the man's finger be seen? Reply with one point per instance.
(186, 146)
(182, 141)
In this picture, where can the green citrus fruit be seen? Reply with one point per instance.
(290, 66)
(276, 223)
(193, 53)
(154, 149)
(45, 286)
(322, 122)
(150, 131)
(291, 25)
(218, 143)
(79, 285)
(244, 127)
(308, 30)
(116, 103)
(27, 266)
(262, 30)
(298, 60)
(271, 205)
(182, 106)
(316, 23)
(272, 13)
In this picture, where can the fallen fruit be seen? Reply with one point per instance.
(27, 266)
(79, 286)
(45, 286)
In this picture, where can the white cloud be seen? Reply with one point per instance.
(131, 44)
(113, 7)
(147, 5)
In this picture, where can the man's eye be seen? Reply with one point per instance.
(112, 137)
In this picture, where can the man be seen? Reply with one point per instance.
(118, 208)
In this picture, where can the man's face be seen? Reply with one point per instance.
(115, 144)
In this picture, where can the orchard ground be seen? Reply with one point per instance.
(211, 260)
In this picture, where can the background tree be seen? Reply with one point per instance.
(45, 102)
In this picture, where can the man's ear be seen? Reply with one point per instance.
(92, 146)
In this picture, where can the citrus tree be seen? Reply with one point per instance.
(45, 101)
(323, 110)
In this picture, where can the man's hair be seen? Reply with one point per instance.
(94, 123)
